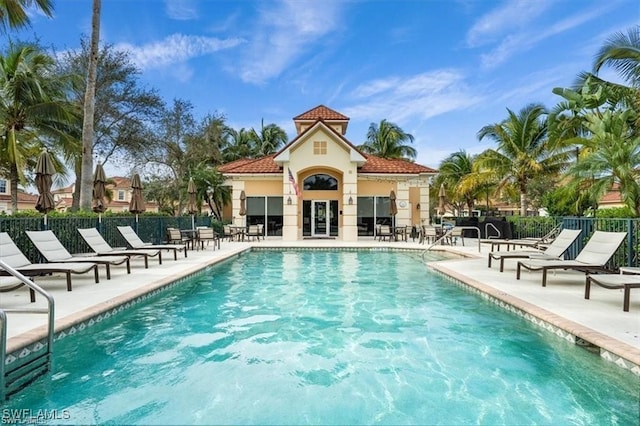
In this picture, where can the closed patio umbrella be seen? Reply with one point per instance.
(191, 204)
(136, 205)
(393, 207)
(442, 200)
(44, 173)
(99, 190)
(243, 204)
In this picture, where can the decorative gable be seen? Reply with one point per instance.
(332, 118)
(320, 144)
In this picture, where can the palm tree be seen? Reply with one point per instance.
(14, 16)
(33, 110)
(238, 144)
(622, 52)
(452, 172)
(269, 140)
(86, 169)
(523, 150)
(388, 140)
(613, 157)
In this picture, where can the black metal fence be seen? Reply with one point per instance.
(149, 228)
(626, 255)
(153, 229)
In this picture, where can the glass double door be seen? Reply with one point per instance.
(320, 218)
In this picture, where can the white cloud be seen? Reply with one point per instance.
(181, 10)
(525, 40)
(283, 33)
(422, 96)
(176, 48)
(511, 15)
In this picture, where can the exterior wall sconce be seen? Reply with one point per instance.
(289, 201)
(350, 200)
(418, 206)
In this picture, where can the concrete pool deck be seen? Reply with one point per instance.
(599, 321)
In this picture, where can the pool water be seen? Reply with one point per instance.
(325, 337)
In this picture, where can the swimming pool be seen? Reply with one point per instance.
(325, 337)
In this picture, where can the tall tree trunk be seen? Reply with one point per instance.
(89, 112)
(523, 204)
(13, 176)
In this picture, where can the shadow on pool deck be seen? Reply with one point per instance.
(599, 321)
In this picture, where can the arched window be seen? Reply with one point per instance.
(320, 182)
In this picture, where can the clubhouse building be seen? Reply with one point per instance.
(321, 186)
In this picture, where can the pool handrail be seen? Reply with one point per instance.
(449, 233)
(50, 311)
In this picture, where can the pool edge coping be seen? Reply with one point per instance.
(628, 356)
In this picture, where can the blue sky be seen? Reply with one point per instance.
(441, 69)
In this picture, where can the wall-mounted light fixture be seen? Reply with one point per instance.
(418, 206)
(350, 200)
(289, 201)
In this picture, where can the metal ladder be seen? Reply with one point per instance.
(22, 373)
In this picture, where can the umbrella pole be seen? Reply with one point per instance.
(193, 221)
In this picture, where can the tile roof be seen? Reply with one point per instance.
(266, 165)
(392, 166)
(251, 165)
(321, 112)
(23, 197)
(612, 196)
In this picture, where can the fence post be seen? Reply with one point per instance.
(630, 243)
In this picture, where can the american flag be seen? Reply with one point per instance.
(293, 182)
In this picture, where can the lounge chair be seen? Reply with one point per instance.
(98, 244)
(52, 249)
(136, 243)
(555, 251)
(614, 282)
(14, 258)
(593, 257)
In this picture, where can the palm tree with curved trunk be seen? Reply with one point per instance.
(33, 110)
(13, 13)
(523, 150)
(388, 140)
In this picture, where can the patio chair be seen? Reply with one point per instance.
(593, 257)
(14, 258)
(228, 232)
(134, 241)
(52, 249)
(384, 232)
(207, 234)
(555, 251)
(623, 282)
(429, 234)
(101, 247)
(176, 236)
(253, 232)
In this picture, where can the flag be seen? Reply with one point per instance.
(293, 182)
